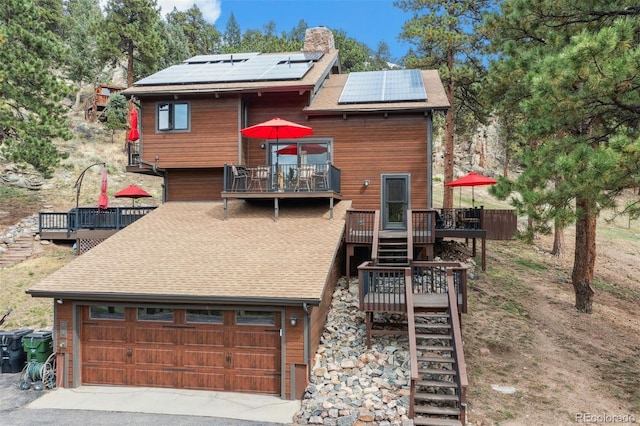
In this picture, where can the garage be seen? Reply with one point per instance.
(189, 348)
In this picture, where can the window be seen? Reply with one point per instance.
(255, 318)
(203, 316)
(155, 314)
(173, 116)
(106, 312)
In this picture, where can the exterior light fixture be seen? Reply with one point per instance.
(367, 182)
(294, 320)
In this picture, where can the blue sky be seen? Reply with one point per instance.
(368, 21)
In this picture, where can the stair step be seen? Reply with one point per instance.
(434, 336)
(426, 396)
(434, 421)
(436, 359)
(432, 348)
(436, 384)
(437, 371)
(434, 326)
(442, 411)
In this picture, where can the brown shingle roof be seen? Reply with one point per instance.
(186, 251)
(328, 96)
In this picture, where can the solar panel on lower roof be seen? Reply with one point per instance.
(383, 86)
(223, 57)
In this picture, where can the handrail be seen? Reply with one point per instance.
(359, 226)
(376, 236)
(461, 369)
(413, 350)
(409, 236)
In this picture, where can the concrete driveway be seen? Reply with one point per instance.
(138, 406)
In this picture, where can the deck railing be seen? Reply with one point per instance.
(90, 218)
(413, 349)
(359, 226)
(462, 380)
(282, 178)
(382, 287)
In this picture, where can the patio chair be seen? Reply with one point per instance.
(321, 176)
(240, 176)
(305, 177)
(258, 176)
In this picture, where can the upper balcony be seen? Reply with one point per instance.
(281, 181)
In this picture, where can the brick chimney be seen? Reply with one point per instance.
(319, 39)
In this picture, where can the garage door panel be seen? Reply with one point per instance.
(256, 361)
(251, 382)
(199, 358)
(256, 339)
(155, 335)
(96, 332)
(105, 354)
(205, 380)
(100, 374)
(156, 378)
(208, 338)
(155, 357)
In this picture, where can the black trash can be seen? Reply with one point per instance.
(13, 356)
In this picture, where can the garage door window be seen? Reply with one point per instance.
(106, 312)
(155, 314)
(203, 316)
(255, 318)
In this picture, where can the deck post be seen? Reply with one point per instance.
(224, 208)
(331, 208)
(276, 207)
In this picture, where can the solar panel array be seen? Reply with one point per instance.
(237, 67)
(383, 86)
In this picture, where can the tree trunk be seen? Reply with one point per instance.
(130, 65)
(585, 257)
(447, 201)
(558, 241)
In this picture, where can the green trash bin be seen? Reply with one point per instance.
(38, 345)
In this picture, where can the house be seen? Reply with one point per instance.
(95, 106)
(227, 285)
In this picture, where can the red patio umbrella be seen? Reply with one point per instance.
(132, 191)
(103, 200)
(309, 148)
(133, 134)
(473, 179)
(277, 128)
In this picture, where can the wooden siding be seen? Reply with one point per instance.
(194, 184)
(64, 357)
(211, 141)
(365, 147)
(294, 346)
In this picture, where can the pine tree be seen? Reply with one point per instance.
(117, 113)
(576, 65)
(82, 20)
(31, 113)
(132, 29)
(232, 35)
(203, 38)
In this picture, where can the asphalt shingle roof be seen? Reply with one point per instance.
(184, 250)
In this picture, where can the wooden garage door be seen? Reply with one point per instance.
(195, 348)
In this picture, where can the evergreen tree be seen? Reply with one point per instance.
(354, 55)
(203, 38)
(443, 32)
(132, 29)
(576, 68)
(117, 113)
(31, 113)
(82, 20)
(232, 35)
(176, 45)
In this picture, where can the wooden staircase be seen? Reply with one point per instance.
(436, 400)
(393, 249)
